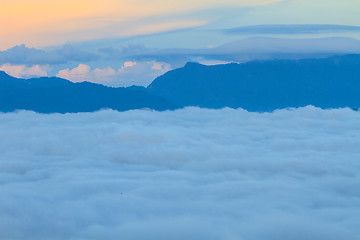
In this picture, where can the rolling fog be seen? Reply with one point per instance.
(186, 174)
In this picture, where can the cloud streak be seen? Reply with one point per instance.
(292, 29)
(193, 173)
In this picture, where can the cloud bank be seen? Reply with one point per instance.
(22, 54)
(256, 48)
(187, 174)
(23, 71)
(241, 50)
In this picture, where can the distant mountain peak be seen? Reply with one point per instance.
(3, 74)
(255, 86)
(4, 77)
(57, 95)
(265, 85)
(192, 64)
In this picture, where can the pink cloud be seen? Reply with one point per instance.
(129, 73)
(129, 64)
(78, 74)
(22, 71)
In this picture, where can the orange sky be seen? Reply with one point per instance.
(50, 22)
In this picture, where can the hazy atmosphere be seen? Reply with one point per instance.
(179, 120)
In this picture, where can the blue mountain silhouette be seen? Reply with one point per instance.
(265, 85)
(50, 95)
(256, 86)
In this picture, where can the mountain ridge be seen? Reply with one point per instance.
(263, 85)
(57, 95)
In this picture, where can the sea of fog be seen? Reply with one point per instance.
(181, 175)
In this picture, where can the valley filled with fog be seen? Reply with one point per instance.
(186, 174)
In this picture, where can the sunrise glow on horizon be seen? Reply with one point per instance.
(41, 23)
(37, 20)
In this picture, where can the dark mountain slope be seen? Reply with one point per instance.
(265, 85)
(49, 95)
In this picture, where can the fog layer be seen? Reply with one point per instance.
(186, 174)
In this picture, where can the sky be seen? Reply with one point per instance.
(130, 42)
(188, 174)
